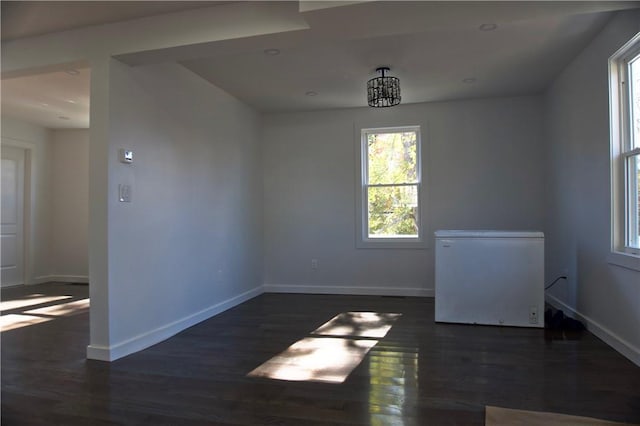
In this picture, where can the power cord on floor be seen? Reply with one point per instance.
(562, 277)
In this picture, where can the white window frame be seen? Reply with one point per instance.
(362, 216)
(621, 143)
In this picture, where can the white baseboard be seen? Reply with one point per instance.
(61, 279)
(609, 337)
(354, 290)
(145, 340)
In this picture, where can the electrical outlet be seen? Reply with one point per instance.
(314, 263)
(533, 315)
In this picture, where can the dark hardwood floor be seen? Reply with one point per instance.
(421, 373)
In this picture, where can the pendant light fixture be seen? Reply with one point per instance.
(383, 91)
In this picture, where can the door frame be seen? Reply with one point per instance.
(27, 211)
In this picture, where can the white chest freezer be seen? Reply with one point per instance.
(490, 277)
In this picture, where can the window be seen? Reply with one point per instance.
(390, 196)
(625, 147)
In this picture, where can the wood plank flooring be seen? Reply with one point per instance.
(421, 373)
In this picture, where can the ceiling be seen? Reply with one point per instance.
(61, 100)
(437, 49)
(516, 58)
(58, 100)
(31, 18)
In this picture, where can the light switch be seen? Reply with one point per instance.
(124, 193)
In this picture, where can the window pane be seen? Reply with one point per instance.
(392, 158)
(393, 211)
(634, 79)
(633, 201)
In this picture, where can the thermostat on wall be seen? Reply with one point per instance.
(126, 156)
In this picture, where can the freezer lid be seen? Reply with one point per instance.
(487, 234)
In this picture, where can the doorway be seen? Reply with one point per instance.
(45, 190)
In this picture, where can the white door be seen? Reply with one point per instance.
(12, 233)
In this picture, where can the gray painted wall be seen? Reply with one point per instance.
(191, 239)
(70, 204)
(482, 162)
(578, 222)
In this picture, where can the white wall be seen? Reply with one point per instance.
(482, 163)
(190, 243)
(578, 220)
(70, 204)
(94, 46)
(36, 140)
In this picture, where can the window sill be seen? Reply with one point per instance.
(625, 260)
(391, 244)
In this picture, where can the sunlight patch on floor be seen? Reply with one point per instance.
(358, 324)
(47, 313)
(337, 348)
(13, 321)
(31, 300)
(323, 359)
(63, 309)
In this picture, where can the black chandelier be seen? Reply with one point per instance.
(383, 91)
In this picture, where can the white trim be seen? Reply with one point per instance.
(620, 142)
(609, 337)
(28, 217)
(150, 338)
(61, 278)
(100, 353)
(351, 290)
(363, 241)
(625, 260)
